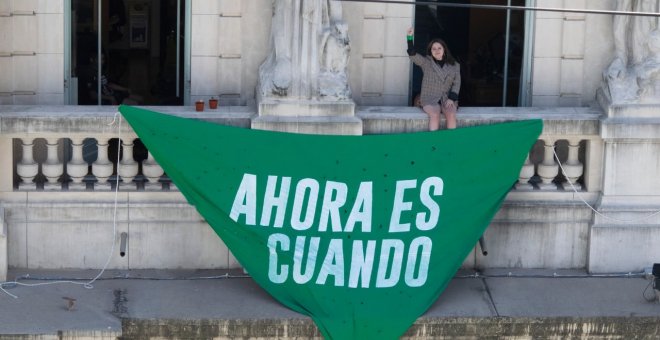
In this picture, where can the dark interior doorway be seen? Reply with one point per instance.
(138, 51)
(476, 38)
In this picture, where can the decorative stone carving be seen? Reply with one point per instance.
(634, 74)
(309, 52)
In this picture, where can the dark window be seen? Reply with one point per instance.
(476, 38)
(138, 51)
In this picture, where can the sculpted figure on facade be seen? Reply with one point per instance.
(634, 74)
(309, 51)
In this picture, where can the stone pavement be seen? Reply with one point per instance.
(186, 304)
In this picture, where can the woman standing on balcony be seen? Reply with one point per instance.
(441, 82)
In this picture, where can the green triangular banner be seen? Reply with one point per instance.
(361, 233)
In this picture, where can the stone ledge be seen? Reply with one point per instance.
(637, 129)
(423, 328)
(339, 125)
(19, 121)
(66, 334)
(559, 122)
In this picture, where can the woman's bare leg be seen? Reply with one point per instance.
(449, 110)
(434, 116)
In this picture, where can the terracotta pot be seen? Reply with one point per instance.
(213, 103)
(199, 105)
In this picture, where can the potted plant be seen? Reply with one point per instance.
(213, 103)
(199, 105)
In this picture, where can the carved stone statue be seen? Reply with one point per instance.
(633, 75)
(308, 54)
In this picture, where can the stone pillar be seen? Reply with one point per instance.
(625, 238)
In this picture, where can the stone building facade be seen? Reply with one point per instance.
(228, 40)
(611, 149)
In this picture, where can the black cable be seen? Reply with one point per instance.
(644, 292)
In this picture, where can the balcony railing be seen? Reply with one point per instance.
(75, 148)
(59, 162)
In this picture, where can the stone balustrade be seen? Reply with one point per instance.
(77, 151)
(59, 165)
(74, 148)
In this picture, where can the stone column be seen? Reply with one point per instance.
(625, 238)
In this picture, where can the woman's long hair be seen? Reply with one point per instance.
(447, 57)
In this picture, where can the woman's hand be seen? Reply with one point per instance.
(450, 103)
(410, 31)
